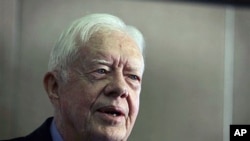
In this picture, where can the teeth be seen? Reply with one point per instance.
(111, 112)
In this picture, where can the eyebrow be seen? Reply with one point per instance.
(134, 68)
(101, 61)
(108, 63)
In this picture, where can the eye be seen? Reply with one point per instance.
(101, 71)
(134, 77)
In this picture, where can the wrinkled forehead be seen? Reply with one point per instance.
(108, 43)
(106, 36)
(113, 40)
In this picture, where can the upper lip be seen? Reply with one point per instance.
(112, 110)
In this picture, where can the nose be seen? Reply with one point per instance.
(117, 87)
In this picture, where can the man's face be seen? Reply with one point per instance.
(100, 100)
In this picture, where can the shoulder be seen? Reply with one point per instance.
(42, 133)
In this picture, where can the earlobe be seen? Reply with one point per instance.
(50, 83)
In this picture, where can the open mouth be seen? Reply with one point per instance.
(112, 111)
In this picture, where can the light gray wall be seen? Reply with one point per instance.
(241, 112)
(183, 96)
(9, 66)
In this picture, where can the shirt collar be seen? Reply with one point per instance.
(54, 132)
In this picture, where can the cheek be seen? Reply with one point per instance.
(75, 101)
(72, 104)
(134, 102)
(80, 97)
(137, 104)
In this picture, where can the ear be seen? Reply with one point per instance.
(50, 83)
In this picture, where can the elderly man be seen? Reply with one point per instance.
(94, 82)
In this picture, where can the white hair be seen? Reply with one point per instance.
(79, 32)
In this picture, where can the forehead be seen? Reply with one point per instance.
(112, 40)
(105, 38)
(112, 44)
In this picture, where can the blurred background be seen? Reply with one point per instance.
(196, 82)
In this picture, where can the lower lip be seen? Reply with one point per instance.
(110, 119)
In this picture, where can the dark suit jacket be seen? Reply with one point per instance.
(40, 134)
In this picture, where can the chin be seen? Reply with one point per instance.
(111, 134)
